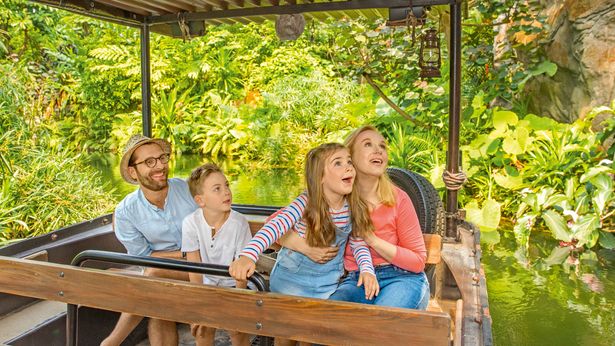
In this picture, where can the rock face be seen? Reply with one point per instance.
(582, 45)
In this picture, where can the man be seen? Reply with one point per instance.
(148, 223)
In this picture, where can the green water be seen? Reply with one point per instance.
(530, 303)
(274, 187)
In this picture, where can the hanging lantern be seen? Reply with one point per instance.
(429, 58)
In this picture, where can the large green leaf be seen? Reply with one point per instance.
(503, 118)
(511, 146)
(594, 171)
(556, 223)
(486, 218)
(607, 240)
(558, 255)
(539, 123)
(490, 238)
(584, 228)
(523, 228)
(570, 187)
(604, 191)
(547, 67)
(507, 181)
(557, 200)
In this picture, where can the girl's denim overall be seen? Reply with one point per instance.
(296, 274)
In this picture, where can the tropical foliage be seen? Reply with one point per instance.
(240, 94)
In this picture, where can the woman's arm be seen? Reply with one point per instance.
(411, 251)
(295, 242)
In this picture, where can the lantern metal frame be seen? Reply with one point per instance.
(430, 40)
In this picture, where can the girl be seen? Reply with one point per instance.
(322, 217)
(396, 245)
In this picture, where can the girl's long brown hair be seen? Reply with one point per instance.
(385, 186)
(320, 230)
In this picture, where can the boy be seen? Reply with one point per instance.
(213, 234)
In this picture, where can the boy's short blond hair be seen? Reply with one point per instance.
(198, 176)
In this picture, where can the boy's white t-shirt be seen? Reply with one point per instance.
(228, 242)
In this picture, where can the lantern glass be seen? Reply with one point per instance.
(429, 58)
(431, 55)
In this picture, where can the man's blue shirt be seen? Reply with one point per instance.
(142, 227)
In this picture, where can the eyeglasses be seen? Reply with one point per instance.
(151, 161)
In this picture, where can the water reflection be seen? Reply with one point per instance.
(275, 187)
(533, 303)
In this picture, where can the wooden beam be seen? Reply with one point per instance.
(155, 6)
(128, 7)
(276, 8)
(237, 3)
(223, 5)
(310, 320)
(109, 13)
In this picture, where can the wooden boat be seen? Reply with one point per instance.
(43, 276)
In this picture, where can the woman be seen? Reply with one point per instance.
(396, 246)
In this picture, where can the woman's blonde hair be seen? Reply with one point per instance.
(385, 186)
(320, 230)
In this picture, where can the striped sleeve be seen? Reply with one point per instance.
(361, 254)
(275, 228)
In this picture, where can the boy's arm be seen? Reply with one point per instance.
(167, 254)
(194, 256)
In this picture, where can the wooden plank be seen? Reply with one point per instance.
(461, 261)
(127, 7)
(458, 322)
(433, 244)
(42, 255)
(309, 320)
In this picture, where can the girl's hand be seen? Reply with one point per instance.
(321, 254)
(242, 268)
(370, 283)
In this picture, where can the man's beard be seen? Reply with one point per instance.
(153, 185)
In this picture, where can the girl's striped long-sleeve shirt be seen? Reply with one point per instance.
(291, 218)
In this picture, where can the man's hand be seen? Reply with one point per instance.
(242, 268)
(321, 254)
(370, 283)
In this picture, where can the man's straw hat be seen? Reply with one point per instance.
(133, 143)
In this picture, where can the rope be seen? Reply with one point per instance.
(183, 27)
(454, 181)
